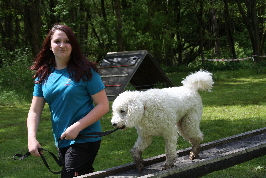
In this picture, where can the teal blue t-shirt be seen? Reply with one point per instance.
(69, 101)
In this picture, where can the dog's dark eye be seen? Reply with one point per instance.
(122, 111)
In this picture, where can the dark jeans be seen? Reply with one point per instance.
(78, 158)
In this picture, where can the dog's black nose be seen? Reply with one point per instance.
(114, 124)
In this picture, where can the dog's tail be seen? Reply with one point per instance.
(201, 80)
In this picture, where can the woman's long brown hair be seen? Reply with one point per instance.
(78, 66)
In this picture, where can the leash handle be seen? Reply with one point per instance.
(59, 163)
(21, 156)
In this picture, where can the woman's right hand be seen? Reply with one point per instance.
(33, 121)
(33, 146)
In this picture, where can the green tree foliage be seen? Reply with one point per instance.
(176, 32)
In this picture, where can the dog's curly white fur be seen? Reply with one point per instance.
(164, 112)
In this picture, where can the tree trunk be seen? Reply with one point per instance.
(228, 28)
(201, 35)
(32, 24)
(215, 30)
(261, 19)
(52, 18)
(119, 36)
(83, 27)
(7, 31)
(106, 43)
(251, 22)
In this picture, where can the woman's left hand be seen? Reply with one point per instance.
(101, 108)
(71, 133)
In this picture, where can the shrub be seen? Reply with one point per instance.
(15, 78)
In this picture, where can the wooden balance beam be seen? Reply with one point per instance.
(214, 156)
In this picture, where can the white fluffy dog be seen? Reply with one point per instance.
(164, 112)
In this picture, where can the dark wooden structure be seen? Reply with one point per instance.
(135, 67)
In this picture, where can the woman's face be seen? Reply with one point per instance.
(61, 46)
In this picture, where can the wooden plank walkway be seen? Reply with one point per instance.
(216, 155)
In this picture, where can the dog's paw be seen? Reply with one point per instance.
(193, 156)
(140, 168)
(167, 167)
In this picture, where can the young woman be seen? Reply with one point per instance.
(74, 91)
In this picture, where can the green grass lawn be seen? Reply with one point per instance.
(236, 104)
